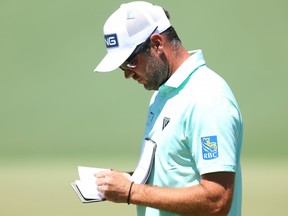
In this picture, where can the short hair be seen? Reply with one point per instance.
(170, 33)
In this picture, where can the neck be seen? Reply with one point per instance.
(176, 58)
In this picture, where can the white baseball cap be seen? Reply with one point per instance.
(128, 27)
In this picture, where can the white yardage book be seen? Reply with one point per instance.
(86, 188)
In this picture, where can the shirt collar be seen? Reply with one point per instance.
(195, 60)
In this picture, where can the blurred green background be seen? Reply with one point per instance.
(56, 113)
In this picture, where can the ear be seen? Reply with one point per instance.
(157, 42)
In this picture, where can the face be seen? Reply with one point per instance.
(150, 70)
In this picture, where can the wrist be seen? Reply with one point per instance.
(129, 193)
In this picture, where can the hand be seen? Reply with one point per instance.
(113, 185)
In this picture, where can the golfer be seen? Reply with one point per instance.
(193, 117)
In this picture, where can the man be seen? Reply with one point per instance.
(193, 117)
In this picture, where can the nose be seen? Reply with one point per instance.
(128, 74)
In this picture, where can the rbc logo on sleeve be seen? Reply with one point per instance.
(111, 40)
(209, 147)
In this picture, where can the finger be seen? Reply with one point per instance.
(100, 174)
(99, 188)
(103, 173)
(101, 181)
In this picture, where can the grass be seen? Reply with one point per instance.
(43, 188)
(265, 187)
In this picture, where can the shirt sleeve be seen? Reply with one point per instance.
(213, 131)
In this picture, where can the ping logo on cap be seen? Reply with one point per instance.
(209, 147)
(111, 40)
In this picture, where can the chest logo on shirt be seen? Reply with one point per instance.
(209, 147)
(166, 120)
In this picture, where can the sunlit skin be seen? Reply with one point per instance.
(212, 197)
(155, 68)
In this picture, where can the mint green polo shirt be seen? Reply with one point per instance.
(197, 125)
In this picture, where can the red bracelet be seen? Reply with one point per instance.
(129, 194)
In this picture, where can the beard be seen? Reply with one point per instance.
(157, 72)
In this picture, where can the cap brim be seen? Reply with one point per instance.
(113, 60)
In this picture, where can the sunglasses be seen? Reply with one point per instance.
(130, 62)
